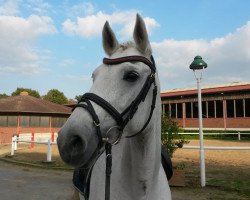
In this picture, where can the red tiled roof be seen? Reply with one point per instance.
(219, 89)
(30, 104)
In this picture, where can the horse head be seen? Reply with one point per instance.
(107, 112)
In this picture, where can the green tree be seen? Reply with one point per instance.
(31, 92)
(3, 95)
(78, 97)
(170, 138)
(56, 96)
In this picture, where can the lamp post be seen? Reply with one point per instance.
(198, 65)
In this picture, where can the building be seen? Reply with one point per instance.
(27, 114)
(225, 107)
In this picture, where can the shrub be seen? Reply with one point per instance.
(169, 135)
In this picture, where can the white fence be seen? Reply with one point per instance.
(49, 138)
(37, 138)
(238, 133)
(216, 147)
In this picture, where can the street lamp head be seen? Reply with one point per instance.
(198, 63)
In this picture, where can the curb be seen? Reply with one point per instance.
(27, 164)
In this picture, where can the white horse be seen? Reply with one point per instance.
(137, 173)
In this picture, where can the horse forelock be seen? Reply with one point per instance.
(127, 45)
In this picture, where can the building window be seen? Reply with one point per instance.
(58, 121)
(219, 109)
(24, 121)
(173, 110)
(45, 121)
(8, 121)
(12, 121)
(166, 109)
(211, 109)
(247, 107)
(204, 109)
(195, 110)
(188, 110)
(179, 110)
(230, 108)
(239, 108)
(34, 121)
(3, 121)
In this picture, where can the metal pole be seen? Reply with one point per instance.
(202, 158)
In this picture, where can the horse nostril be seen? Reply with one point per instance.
(77, 144)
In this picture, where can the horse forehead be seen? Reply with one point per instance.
(128, 51)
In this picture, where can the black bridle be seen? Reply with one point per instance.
(121, 118)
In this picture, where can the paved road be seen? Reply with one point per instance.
(22, 183)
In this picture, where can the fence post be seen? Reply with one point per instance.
(52, 136)
(12, 146)
(238, 135)
(49, 151)
(32, 140)
(15, 142)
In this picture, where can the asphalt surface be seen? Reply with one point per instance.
(23, 183)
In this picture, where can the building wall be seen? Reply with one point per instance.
(238, 122)
(219, 111)
(18, 125)
(6, 133)
(217, 123)
(207, 123)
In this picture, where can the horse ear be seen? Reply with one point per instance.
(141, 36)
(109, 41)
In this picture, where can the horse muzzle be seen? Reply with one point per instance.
(76, 148)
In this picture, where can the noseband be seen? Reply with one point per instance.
(121, 118)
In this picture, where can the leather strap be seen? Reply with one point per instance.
(142, 59)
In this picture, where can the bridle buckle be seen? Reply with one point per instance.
(96, 124)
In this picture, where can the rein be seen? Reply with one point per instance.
(121, 119)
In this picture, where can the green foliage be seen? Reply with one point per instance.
(56, 96)
(239, 185)
(31, 92)
(3, 95)
(221, 134)
(169, 135)
(78, 97)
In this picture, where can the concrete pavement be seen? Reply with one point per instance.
(17, 182)
(27, 183)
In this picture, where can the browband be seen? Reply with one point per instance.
(142, 59)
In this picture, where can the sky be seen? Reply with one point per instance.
(57, 44)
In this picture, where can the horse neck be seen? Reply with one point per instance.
(141, 158)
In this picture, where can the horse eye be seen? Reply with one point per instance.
(131, 76)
